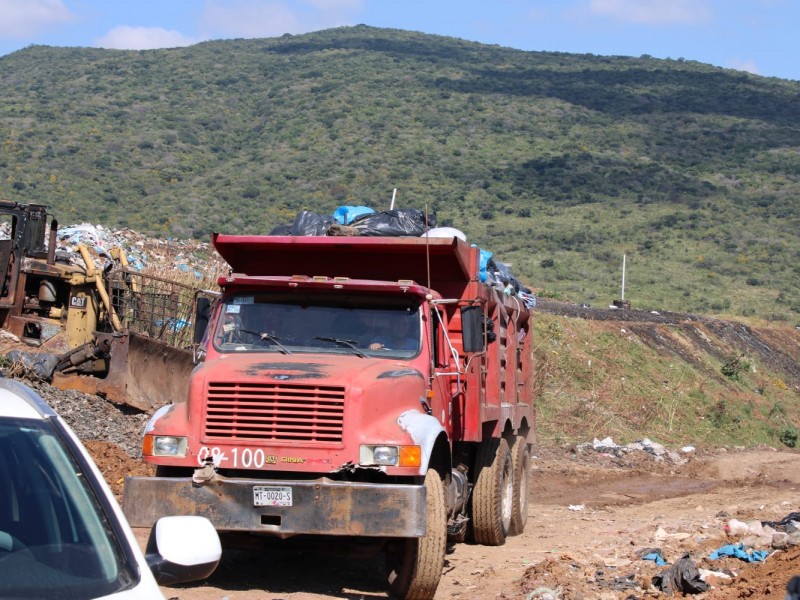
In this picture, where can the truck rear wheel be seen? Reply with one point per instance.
(493, 494)
(521, 459)
(415, 565)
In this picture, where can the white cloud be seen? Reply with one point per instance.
(266, 18)
(250, 19)
(142, 38)
(23, 18)
(744, 65)
(652, 12)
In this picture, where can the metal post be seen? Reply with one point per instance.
(623, 277)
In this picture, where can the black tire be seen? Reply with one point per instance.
(521, 459)
(493, 495)
(415, 565)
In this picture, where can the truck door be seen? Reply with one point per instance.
(443, 367)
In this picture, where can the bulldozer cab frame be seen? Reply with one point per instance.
(27, 232)
(23, 233)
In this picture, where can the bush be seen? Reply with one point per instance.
(734, 367)
(788, 437)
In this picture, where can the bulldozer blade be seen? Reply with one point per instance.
(143, 373)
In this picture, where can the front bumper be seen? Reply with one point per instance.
(320, 506)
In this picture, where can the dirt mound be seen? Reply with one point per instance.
(115, 464)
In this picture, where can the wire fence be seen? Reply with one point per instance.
(158, 308)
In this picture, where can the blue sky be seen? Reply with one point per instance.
(758, 36)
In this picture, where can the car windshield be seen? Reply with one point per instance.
(358, 325)
(55, 538)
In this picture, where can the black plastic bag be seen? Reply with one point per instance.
(682, 577)
(281, 230)
(394, 223)
(311, 223)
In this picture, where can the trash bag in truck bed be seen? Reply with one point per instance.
(393, 223)
(310, 223)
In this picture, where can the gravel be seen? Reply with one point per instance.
(95, 418)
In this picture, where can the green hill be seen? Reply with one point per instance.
(558, 163)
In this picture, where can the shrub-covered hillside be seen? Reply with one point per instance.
(558, 163)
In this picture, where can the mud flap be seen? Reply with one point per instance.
(142, 373)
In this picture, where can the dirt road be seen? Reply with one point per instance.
(591, 513)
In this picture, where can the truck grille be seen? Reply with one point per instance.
(276, 412)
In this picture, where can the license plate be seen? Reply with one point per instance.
(268, 495)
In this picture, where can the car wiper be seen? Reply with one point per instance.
(263, 335)
(353, 345)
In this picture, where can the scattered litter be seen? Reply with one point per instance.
(738, 551)
(788, 524)
(706, 573)
(735, 527)
(545, 593)
(653, 554)
(682, 577)
(661, 535)
(656, 450)
(623, 582)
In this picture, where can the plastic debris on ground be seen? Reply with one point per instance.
(608, 446)
(788, 524)
(653, 554)
(739, 551)
(682, 577)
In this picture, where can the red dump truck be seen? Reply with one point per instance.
(351, 388)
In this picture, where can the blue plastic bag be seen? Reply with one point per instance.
(344, 215)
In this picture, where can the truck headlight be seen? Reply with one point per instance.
(164, 445)
(391, 456)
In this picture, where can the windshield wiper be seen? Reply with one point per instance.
(353, 345)
(263, 335)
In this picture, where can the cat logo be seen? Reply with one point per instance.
(77, 301)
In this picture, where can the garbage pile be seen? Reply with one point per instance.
(364, 221)
(656, 450)
(194, 258)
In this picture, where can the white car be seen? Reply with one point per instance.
(62, 533)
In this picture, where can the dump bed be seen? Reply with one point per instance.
(444, 264)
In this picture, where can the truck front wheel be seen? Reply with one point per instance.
(415, 565)
(493, 494)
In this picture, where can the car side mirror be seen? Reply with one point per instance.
(182, 549)
(201, 317)
(472, 328)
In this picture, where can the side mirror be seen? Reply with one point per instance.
(472, 328)
(201, 317)
(182, 549)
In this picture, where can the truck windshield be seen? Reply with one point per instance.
(359, 325)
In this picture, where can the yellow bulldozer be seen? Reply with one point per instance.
(111, 331)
